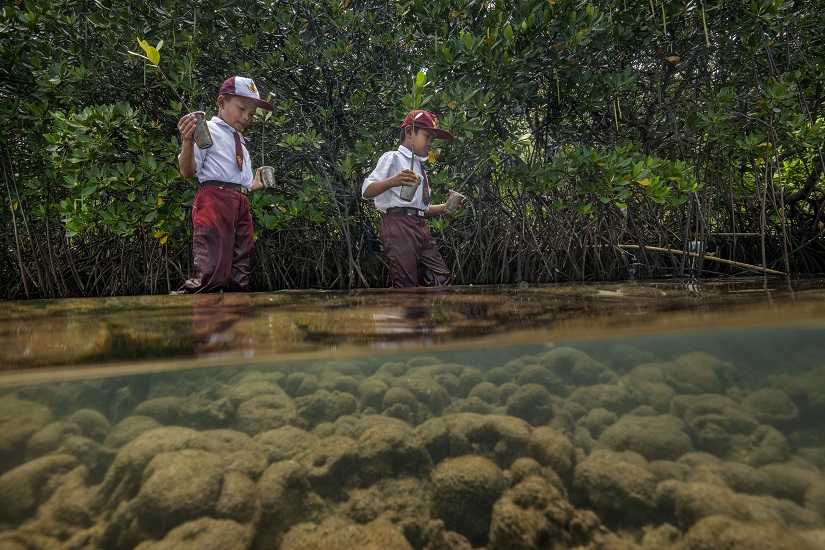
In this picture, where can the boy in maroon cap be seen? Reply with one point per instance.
(410, 249)
(222, 242)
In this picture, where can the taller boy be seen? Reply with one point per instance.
(223, 237)
(410, 249)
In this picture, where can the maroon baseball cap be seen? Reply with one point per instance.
(426, 120)
(242, 86)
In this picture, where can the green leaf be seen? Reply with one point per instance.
(420, 78)
(151, 52)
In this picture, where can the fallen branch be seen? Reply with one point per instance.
(707, 257)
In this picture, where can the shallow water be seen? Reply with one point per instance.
(659, 415)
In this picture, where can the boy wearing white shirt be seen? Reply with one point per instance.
(411, 251)
(223, 236)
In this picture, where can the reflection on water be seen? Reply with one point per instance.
(659, 416)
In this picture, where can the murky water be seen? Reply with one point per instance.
(662, 415)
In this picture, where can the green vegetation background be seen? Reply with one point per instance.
(581, 127)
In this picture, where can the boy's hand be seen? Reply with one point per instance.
(186, 126)
(256, 180)
(405, 178)
(463, 200)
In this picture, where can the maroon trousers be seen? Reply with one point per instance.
(222, 243)
(411, 251)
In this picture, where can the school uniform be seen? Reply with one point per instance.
(412, 253)
(223, 233)
(222, 221)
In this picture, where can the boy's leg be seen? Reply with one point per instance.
(213, 219)
(435, 270)
(244, 244)
(399, 235)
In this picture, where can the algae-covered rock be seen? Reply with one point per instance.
(204, 534)
(128, 429)
(389, 450)
(403, 502)
(617, 486)
(612, 397)
(661, 437)
(553, 449)
(689, 502)
(339, 534)
(724, 532)
(24, 488)
(19, 419)
(699, 372)
(265, 412)
(323, 406)
(286, 500)
(400, 403)
(772, 406)
(178, 487)
(532, 403)
(464, 491)
(532, 513)
(286, 442)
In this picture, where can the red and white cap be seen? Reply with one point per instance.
(424, 119)
(242, 86)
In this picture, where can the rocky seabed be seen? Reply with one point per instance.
(549, 451)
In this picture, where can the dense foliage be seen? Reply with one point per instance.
(585, 129)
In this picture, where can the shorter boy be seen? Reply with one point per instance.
(411, 251)
(222, 242)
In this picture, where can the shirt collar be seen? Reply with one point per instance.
(407, 153)
(221, 122)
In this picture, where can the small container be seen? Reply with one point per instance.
(454, 203)
(268, 176)
(202, 136)
(408, 192)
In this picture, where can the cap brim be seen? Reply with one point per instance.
(263, 104)
(440, 134)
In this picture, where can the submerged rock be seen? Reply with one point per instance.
(661, 437)
(339, 534)
(464, 490)
(725, 532)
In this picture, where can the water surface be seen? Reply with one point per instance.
(671, 414)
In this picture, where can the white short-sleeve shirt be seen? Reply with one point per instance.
(389, 165)
(218, 162)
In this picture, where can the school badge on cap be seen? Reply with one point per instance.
(242, 86)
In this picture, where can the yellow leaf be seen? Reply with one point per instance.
(559, 46)
(644, 182)
(164, 239)
(600, 164)
(131, 179)
(431, 157)
(160, 201)
(673, 58)
(14, 207)
(282, 209)
(158, 234)
(451, 105)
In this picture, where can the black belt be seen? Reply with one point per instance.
(225, 184)
(407, 211)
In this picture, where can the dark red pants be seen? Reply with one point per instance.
(222, 243)
(411, 251)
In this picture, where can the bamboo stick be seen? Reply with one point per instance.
(707, 257)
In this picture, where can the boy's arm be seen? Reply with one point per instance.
(186, 159)
(435, 210)
(405, 177)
